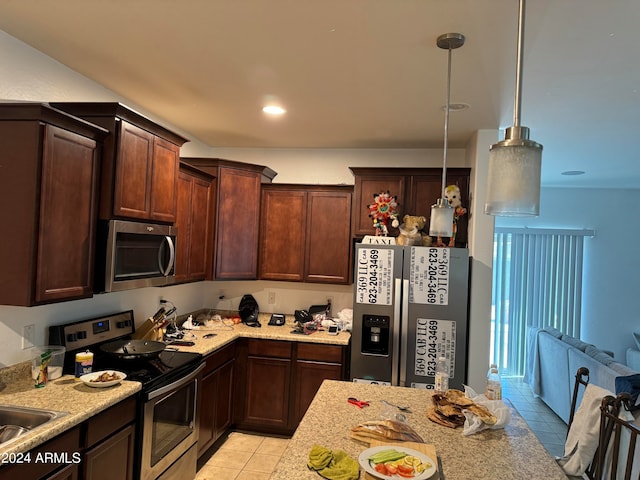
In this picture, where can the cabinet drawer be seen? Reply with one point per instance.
(270, 348)
(322, 353)
(110, 421)
(65, 445)
(219, 358)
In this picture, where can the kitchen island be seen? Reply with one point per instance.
(512, 453)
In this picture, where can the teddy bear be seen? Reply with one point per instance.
(459, 236)
(411, 231)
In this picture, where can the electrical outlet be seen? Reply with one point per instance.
(28, 336)
(272, 298)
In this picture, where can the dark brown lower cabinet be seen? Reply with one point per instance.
(112, 458)
(100, 448)
(70, 472)
(279, 380)
(216, 397)
(39, 463)
(109, 440)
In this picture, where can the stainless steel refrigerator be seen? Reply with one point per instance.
(410, 307)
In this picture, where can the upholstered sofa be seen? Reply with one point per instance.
(553, 360)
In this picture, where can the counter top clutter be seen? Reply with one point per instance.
(66, 394)
(217, 333)
(512, 452)
(80, 402)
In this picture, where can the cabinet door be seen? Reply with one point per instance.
(224, 399)
(216, 406)
(206, 425)
(282, 235)
(328, 237)
(70, 472)
(163, 181)
(236, 256)
(309, 376)
(193, 220)
(366, 186)
(132, 193)
(112, 458)
(426, 189)
(267, 391)
(183, 224)
(68, 206)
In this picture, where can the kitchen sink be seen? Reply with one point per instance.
(16, 421)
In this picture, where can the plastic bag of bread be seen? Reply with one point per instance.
(390, 430)
(487, 414)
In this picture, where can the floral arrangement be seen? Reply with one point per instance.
(383, 208)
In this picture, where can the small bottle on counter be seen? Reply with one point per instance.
(441, 383)
(494, 384)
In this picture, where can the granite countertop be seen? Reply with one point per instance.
(226, 333)
(65, 394)
(512, 453)
(80, 402)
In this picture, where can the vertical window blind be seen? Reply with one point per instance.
(537, 282)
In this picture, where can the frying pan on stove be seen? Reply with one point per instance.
(133, 349)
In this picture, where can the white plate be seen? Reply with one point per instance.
(86, 378)
(363, 459)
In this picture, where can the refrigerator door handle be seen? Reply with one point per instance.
(404, 330)
(396, 329)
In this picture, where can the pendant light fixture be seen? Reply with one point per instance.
(441, 221)
(513, 188)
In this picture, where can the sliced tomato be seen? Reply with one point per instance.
(405, 471)
(381, 468)
(391, 468)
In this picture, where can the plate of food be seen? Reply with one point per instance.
(102, 379)
(395, 461)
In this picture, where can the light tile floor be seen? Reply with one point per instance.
(547, 426)
(242, 457)
(245, 456)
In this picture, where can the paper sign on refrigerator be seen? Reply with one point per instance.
(374, 276)
(429, 276)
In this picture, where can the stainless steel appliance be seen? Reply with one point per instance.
(166, 429)
(134, 255)
(410, 307)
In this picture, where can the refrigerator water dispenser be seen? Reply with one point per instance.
(375, 334)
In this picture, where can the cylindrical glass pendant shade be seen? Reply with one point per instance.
(441, 222)
(514, 180)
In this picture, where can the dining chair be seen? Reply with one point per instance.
(582, 378)
(620, 436)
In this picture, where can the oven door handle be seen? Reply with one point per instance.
(177, 384)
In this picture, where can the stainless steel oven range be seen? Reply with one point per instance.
(166, 429)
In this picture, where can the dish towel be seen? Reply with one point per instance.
(582, 440)
(333, 465)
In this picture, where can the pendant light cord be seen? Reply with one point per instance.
(518, 100)
(446, 125)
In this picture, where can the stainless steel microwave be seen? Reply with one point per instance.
(134, 255)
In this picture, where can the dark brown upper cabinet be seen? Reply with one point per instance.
(236, 215)
(305, 233)
(140, 163)
(49, 164)
(416, 190)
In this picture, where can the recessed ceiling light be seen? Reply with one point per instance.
(273, 110)
(456, 107)
(573, 172)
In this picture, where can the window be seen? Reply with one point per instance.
(537, 282)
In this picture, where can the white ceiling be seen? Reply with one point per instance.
(363, 73)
